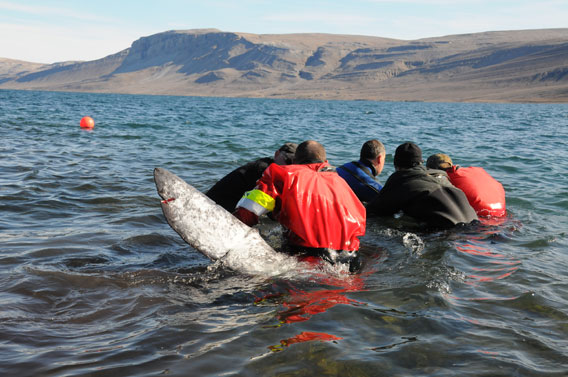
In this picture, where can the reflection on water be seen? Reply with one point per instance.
(477, 248)
(301, 305)
(299, 302)
(484, 264)
(305, 336)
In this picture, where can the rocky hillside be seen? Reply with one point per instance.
(513, 66)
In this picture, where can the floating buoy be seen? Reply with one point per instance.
(87, 123)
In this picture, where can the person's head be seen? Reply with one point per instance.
(439, 161)
(374, 151)
(285, 154)
(407, 155)
(310, 152)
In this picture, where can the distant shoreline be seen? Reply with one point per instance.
(528, 102)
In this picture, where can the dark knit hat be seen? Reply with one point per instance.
(407, 155)
(288, 150)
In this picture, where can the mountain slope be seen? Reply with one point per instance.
(511, 66)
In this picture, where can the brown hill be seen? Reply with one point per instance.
(509, 66)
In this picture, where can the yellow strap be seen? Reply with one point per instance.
(261, 198)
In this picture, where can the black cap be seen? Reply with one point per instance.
(407, 155)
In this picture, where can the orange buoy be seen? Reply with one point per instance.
(87, 122)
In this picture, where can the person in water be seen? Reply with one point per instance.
(230, 189)
(361, 175)
(322, 215)
(485, 194)
(420, 193)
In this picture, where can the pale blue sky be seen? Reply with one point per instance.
(48, 31)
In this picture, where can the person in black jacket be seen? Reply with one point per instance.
(230, 189)
(424, 194)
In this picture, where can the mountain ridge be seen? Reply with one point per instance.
(501, 66)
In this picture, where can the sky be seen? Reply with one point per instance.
(49, 31)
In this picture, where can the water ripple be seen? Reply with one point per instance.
(94, 282)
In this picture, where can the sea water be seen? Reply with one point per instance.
(94, 282)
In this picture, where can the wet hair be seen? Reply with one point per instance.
(310, 152)
(372, 149)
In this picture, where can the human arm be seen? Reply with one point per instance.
(246, 216)
(388, 201)
(257, 201)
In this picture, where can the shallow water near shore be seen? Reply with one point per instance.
(94, 282)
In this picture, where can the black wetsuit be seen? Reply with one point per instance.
(424, 195)
(230, 189)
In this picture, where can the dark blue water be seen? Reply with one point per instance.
(94, 282)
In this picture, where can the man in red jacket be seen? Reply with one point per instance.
(321, 213)
(484, 193)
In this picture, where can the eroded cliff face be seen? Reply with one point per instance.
(203, 53)
(499, 66)
(193, 53)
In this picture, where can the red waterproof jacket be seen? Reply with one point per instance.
(313, 202)
(484, 193)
